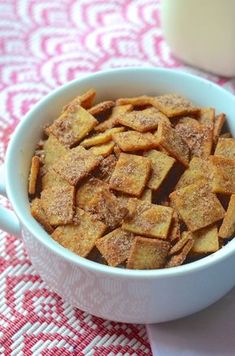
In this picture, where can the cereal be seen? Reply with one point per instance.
(130, 174)
(35, 166)
(130, 141)
(101, 107)
(115, 246)
(148, 253)
(148, 184)
(226, 148)
(80, 238)
(76, 164)
(161, 165)
(72, 126)
(227, 229)
(173, 143)
(143, 120)
(174, 105)
(150, 220)
(197, 205)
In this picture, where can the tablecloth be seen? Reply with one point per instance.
(43, 44)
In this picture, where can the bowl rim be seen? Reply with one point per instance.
(40, 234)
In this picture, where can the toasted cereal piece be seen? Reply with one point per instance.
(130, 174)
(178, 259)
(117, 151)
(205, 240)
(101, 138)
(106, 207)
(207, 117)
(53, 151)
(86, 191)
(117, 111)
(85, 100)
(174, 231)
(199, 169)
(197, 205)
(115, 246)
(103, 150)
(161, 165)
(133, 141)
(150, 220)
(198, 137)
(57, 202)
(80, 237)
(226, 148)
(173, 143)
(147, 195)
(52, 178)
(101, 107)
(142, 100)
(174, 105)
(39, 214)
(227, 229)
(76, 164)
(147, 253)
(186, 236)
(224, 180)
(219, 122)
(72, 126)
(143, 120)
(34, 170)
(106, 168)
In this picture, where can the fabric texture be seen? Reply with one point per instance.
(44, 44)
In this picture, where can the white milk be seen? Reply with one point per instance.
(202, 33)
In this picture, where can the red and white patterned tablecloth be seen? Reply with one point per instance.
(43, 44)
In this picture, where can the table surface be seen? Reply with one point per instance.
(43, 44)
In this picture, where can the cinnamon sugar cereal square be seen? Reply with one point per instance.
(103, 150)
(147, 195)
(143, 120)
(117, 111)
(52, 178)
(86, 191)
(197, 205)
(72, 126)
(219, 122)
(173, 143)
(53, 151)
(76, 164)
(101, 107)
(85, 100)
(226, 148)
(205, 240)
(147, 253)
(227, 229)
(150, 220)
(142, 100)
(174, 105)
(133, 141)
(80, 237)
(180, 243)
(101, 138)
(224, 180)
(130, 174)
(115, 246)
(106, 168)
(180, 257)
(207, 117)
(58, 202)
(39, 214)
(161, 165)
(34, 171)
(174, 231)
(198, 137)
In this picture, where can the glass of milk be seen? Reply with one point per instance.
(202, 33)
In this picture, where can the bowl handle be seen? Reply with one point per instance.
(8, 220)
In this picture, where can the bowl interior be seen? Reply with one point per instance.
(109, 85)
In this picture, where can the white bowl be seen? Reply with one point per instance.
(148, 296)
